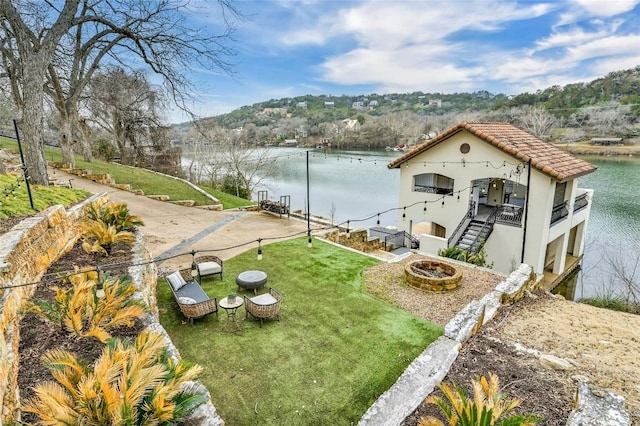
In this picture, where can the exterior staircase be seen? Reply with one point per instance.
(476, 233)
(474, 236)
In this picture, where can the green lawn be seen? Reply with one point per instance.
(335, 350)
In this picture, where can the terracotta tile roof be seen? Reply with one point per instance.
(545, 157)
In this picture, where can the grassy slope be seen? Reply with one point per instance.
(335, 350)
(14, 200)
(151, 183)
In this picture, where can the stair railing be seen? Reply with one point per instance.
(462, 226)
(405, 236)
(484, 232)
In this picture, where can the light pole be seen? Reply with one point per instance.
(25, 169)
(309, 242)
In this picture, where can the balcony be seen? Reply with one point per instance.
(559, 212)
(510, 214)
(580, 202)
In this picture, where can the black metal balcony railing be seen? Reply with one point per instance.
(510, 215)
(433, 189)
(559, 212)
(580, 202)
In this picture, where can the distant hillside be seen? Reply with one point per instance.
(619, 86)
(561, 101)
(326, 108)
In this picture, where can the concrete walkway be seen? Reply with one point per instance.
(171, 229)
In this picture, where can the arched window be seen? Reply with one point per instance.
(433, 183)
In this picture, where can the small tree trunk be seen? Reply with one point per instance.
(66, 141)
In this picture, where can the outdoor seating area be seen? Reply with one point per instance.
(193, 302)
(264, 306)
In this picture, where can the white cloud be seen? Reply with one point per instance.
(615, 46)
(575, 36)
(607, 8)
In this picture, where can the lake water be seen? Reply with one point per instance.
(359, 186)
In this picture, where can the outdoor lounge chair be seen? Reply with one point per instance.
(263, 306)
(190, 297)
(208, 265)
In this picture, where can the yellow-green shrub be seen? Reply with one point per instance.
(131, 383)
(79, 310)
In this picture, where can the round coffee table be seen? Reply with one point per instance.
(231, 307)
(251, 280)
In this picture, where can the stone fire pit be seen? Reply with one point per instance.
(432, 275)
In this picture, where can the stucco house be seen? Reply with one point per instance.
(497, 185)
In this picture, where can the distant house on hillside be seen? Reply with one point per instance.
(497, 187)
(301, 132)
(329, 104)
(302, 105)
(290, 142)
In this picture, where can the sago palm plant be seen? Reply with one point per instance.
(488, 407)
(79, 309)
(131, 383)
(116, 214)
(99, 237)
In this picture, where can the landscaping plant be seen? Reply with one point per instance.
(79, 310)
(488, 407)
(131, 383)
(98, 237)
(478, 259)
(113, 214)
(106, 225)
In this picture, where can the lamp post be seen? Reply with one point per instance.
(309, 242)
(25, 169)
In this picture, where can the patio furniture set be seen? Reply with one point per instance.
(194, 302)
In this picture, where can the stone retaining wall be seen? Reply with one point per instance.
(26, 252)
(357, 239)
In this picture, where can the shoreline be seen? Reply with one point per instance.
(588, 149)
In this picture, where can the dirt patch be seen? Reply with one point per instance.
(9, 222)
(601, 343)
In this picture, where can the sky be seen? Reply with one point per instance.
(288, 48)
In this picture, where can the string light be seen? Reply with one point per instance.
(100, 285)
(259, 248)
(194, 267)
(404, 213)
